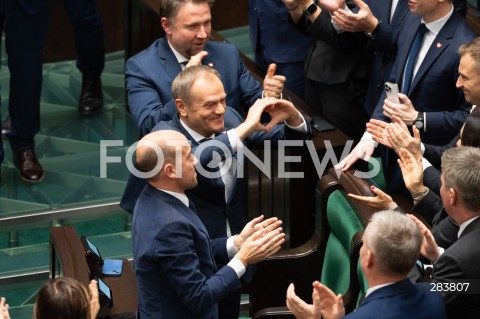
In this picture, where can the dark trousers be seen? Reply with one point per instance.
(340, 104)
(88, 32)
(229, 308)
(26, 30)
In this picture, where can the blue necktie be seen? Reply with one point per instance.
(412, 57)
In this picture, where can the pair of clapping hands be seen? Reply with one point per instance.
(259, 239)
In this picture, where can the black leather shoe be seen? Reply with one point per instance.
(6, 127)
(30, 169)
(91, 97)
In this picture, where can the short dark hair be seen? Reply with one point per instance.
(169, 8)
(471, 130)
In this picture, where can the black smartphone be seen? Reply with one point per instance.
(104, 294)
(91, 251)
(320, 124)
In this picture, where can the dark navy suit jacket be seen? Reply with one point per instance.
(150, 73)
(433, 89)
(444, 228)
(209, 194)
(401, 300)
(175, 260)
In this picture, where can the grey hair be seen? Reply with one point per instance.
(182, 84)
(461, 171)
(471, 48)
(395, 240)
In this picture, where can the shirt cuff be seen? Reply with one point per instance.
(237, 266)
(231, 249)
(367, 137)
(425, 121)
(336, 27)
(302, 127)
(425, 163)
(281, 95)
(422, 148)
(442, 250)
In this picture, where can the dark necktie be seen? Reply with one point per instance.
(412, 57)
(183, 64)
(204, 140)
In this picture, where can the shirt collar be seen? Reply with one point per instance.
(180, 58)
(181, 197)
(372, 289)
(465, 224)
(196, 136)
(437, 25)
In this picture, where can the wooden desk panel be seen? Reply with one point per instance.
(68, 259)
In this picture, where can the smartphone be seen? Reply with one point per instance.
(112, 267)
(392, 92)
(320, 124)
(104, 294)
(91, 252)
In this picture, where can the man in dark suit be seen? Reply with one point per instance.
(458, 263)
(336, 69)
(391, 244)
(221, 196)
(175, 259)
(431, 100)
(25, 23)
(150, 73)
(274, 40)
(225, 125)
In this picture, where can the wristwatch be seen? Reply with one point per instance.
(372, 34)
(419, 121)
(311, 9)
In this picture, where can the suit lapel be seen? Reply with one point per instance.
(208, 60)
(400, 11)
(169, 61)
(186, 212)
(439, 45)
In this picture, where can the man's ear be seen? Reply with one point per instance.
(169, 170)
(452, 196)
(181, 107)
(370, 258)
(167, 26)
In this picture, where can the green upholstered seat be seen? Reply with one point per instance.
(344, 223)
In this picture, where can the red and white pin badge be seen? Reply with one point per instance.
(439, 45)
